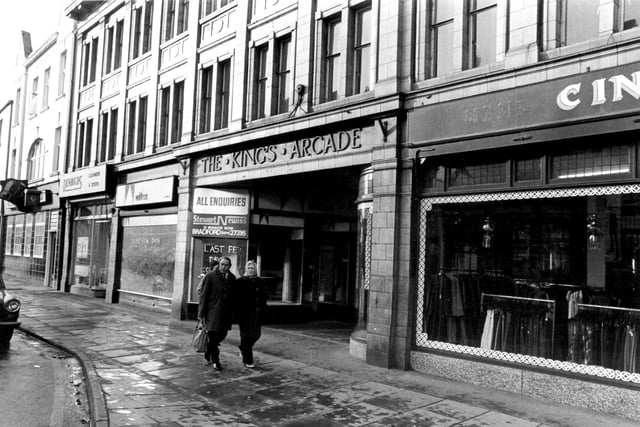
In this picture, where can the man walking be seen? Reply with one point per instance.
(215, 308)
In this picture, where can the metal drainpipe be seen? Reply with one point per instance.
(3, 228)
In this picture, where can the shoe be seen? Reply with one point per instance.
(249, 365)
(217, 366)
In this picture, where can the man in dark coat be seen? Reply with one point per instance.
(250, 302)
(215, 308)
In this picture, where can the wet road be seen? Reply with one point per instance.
(40, 386)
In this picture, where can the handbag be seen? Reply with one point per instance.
(200, 338)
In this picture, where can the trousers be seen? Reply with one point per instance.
(215, 338)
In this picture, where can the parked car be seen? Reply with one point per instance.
(9, 312)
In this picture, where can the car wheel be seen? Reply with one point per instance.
(6, 334)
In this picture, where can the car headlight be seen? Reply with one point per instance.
(12, 305)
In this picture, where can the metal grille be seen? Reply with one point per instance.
(368, 216)
(422, 338)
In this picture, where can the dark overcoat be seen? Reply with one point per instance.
(250, 302)
(215, 305)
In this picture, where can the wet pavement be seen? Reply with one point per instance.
(141, 371)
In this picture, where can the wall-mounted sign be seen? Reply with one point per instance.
(146, 192)
(312, 148)
(220, 213)
(84, 181)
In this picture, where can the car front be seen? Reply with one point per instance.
(9, 313)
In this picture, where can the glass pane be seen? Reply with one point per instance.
(582, 20)
(631, 14)
(479, 4)
(592, 162)
(364, 27)
(493, 173)
(333, 40)
(363, 64)
(443, 40)
(485, 34)
(528, 170)
(443, 10)
(148, 259)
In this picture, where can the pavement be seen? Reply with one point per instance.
(141, 371)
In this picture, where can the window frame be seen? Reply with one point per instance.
(36, 160)
(282, 75)
(223, 94)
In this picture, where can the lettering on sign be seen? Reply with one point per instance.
(572, 95)
(335, 143)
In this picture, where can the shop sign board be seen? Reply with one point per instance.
(593, 95)
(53, 221)
(146, 192)
(84, 181)
(220, 213)
(316, 147)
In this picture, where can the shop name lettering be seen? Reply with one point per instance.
(322, 145)
(76, 182)
(219, 220)
(570, 97)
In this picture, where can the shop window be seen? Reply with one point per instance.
(528, 170)
(206, 93)
(108, 135)
(18, 235)
(148, 255)
(113, 50)
(90, 246)
(282, 76)
(39, 241)
(141, 29)
(8, 243)
(28, 236)
(45, 88)
(84, 142)
(595, 162)
(223, 94)
(555, 276)
(62, 73)
(442, 12)
(489, 173)
(482, 22)
(176, 18)
(35, 167)
(360, 64)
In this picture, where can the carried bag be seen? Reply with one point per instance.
(200, 338)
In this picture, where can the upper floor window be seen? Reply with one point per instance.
(16, 119)
(282, 78)
(630, 14)
(210, 6)
(108, 135)
(223, 94)
(136, 125)
(62, 73)
(330, 59)
(35, 165)
(441, 35)
(34, 97)
(57, 140)
(113, 51)
(483, 32)
(171, 113)
(90, 61)
(84, 143)
(206, 93)
(45, 88)
(260, 78)
(176, 18)
(360, 66)
(141, 29)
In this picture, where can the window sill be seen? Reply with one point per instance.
(459, 76)
(347, 100)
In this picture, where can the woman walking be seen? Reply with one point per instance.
(250, 301)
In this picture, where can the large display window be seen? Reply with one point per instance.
(548, 277)
(90, 250)
(148, 255)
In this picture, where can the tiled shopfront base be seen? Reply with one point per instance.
(619, 401)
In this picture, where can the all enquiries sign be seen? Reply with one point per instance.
(220, 213)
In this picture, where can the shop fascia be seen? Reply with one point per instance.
(571, 96)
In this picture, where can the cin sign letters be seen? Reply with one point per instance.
(572, 95)
(331, 144)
